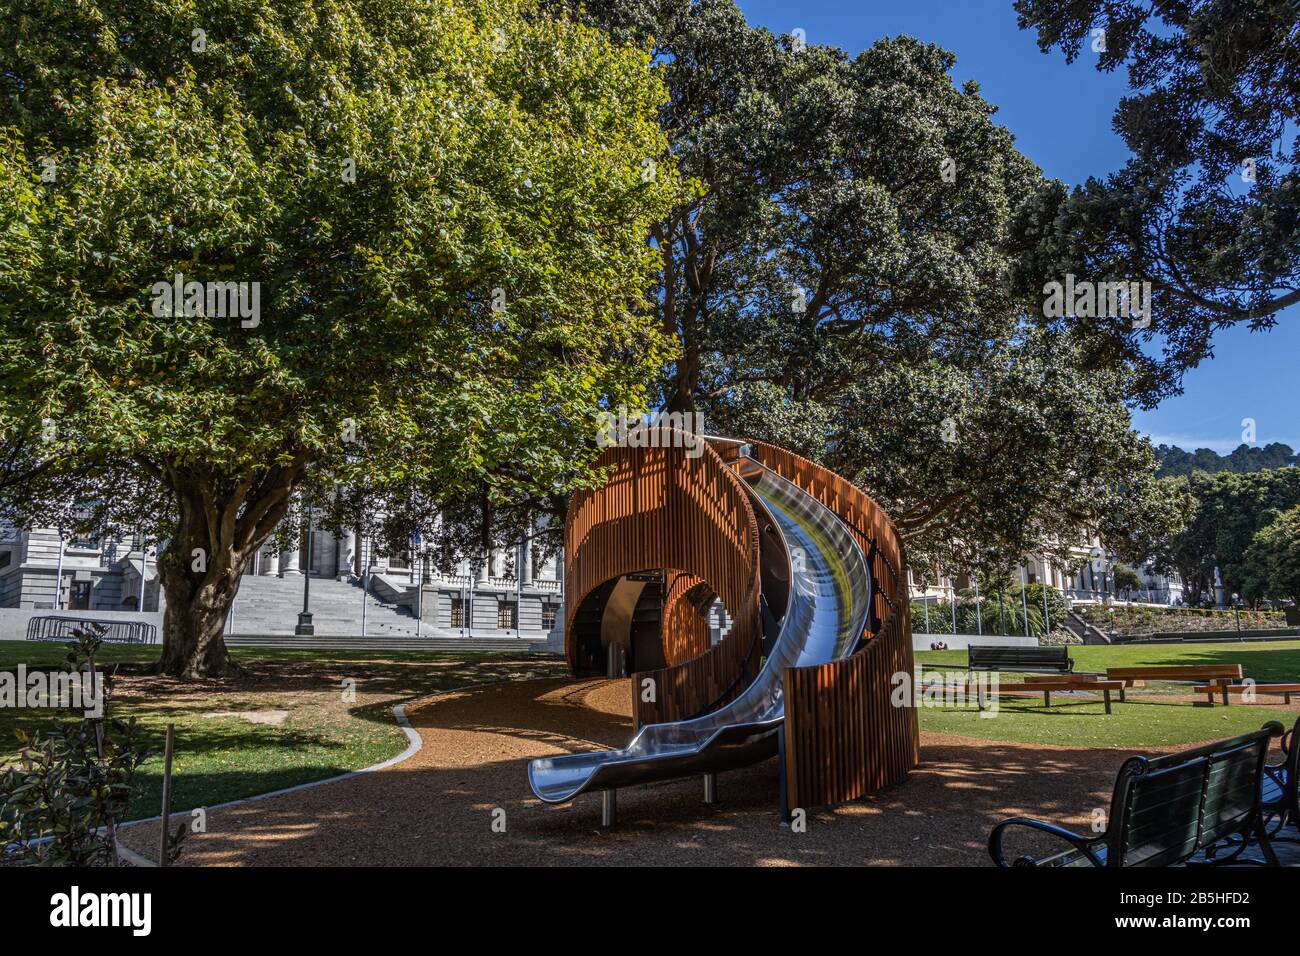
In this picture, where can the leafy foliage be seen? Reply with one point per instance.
(59, 803)
(1271, 565)
(1244, 458)
(1229, 512)
(840, 284)
(445, 205)
(1207, 208)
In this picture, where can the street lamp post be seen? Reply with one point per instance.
(304, 627)
(1024, 600)
(1236, 610)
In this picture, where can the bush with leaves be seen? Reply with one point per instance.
(60, 803)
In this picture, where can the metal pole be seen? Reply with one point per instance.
(711, 787)
(58, 578)
(608, 808)
(927, 617)
(304, 627)
(1047, 615)
(979, 615)
(168, 750)
(952, 603)
(365, 574)
(1024, 600)
(144, 566)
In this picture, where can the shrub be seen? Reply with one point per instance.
(59, 804)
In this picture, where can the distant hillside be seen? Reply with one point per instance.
(1175, 461)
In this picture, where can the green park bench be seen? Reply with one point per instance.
(1166, 810)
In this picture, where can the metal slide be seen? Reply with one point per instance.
(827, 611)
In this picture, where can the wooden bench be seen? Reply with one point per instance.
(1001, 657)
(1166, 810)
(1045, 686)
(1226, 690)
(1177, 673)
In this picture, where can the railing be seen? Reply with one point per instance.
(117, 632)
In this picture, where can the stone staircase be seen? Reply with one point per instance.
(269, 605)
(266, 611)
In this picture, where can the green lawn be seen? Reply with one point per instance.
(1149, 718)
(1141, 722)
(1264, 660)
(303, 728)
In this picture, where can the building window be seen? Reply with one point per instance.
(80, 599)
(506, 615)
(459, 611)
(548, 616)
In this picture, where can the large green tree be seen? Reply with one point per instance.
(1208, 207)
(1229, 512)
(1271, 565)
(840, 282)
(444, 206)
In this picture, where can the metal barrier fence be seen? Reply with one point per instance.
(117, 632)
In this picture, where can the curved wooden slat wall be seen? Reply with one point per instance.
(685, 629)
(843, 736)
(663, 509)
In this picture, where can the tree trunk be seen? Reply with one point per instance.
(221, 521)
(195, 618)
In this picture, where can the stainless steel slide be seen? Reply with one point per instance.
(829, 601)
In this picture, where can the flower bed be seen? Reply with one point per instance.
(1134, 620)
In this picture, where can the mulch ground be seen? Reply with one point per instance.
(438, 807)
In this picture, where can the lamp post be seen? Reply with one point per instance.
(304, 627)
(1236, 610)
(1024, 600)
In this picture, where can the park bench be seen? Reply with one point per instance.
(1280, 796)
(999, 657)
(1138, 676)
(1225, 689)
(1166, 810)
(1045, 685)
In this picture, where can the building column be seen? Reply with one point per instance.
(525, 563)
(289, 562)
(484, 571)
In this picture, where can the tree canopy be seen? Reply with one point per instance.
(1244, 458)
(1271, 565)
(435, 214)
(840, 283)
(1229, 511)
(1208, 207)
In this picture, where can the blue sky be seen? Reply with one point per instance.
(1060, 115)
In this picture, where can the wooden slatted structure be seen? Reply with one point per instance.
(843, 735)
(661, 508)
(685, 629)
